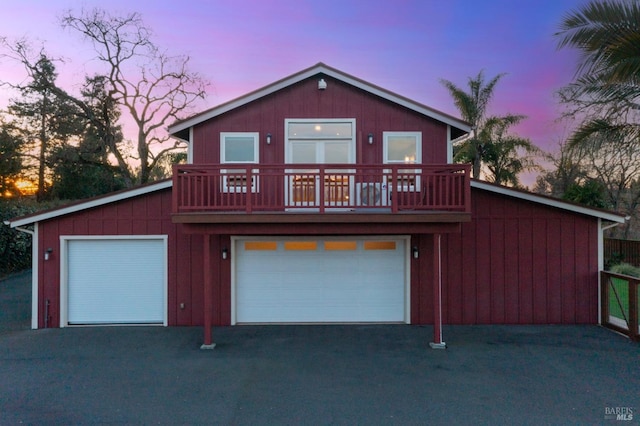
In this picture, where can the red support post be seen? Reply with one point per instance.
(208, 295)
(437, 296)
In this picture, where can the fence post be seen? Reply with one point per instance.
(604, 298)
(633, 310)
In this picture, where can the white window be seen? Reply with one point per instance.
(404, 148)
(320, 141)
(239, 148)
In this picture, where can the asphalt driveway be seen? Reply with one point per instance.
(313, 374)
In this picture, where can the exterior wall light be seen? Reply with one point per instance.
(370, 139)
(416, 252)
(225, 253)
(322, 84)
(47, 253)
(268, 138)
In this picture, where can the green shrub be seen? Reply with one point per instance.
(626, 269)
(15, 246)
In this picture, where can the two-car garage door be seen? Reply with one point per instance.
(316, 280)
(115, 280)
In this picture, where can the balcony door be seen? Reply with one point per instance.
(312, 142)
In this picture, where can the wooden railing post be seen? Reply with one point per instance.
(393, 187)
(605, 282)
(633, 309)
(249, 189)
(320, 188)
(175, 190)
(268, 187)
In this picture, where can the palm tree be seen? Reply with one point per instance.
(506, 155)
(607, 33)
(473, 107)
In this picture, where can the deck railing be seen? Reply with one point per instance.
(321, 188)
(619, 298)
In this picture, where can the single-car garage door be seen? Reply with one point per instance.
(116, 281)
(315, 280)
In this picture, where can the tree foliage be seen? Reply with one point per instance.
(607, 84)
(134, 84)
(604, 98)
(44, 121)
(506, 155)
(566, 169)
(472, 105)
(590, 193)
(10, 161)
(15, 246)
(490, 148)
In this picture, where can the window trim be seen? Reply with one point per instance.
(234, 183)
(256, 146)
(352, 139)
(403, 185)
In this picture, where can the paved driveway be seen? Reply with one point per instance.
(317, 375)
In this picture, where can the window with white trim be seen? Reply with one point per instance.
(320, 141)
(239, 148)
(404, 148)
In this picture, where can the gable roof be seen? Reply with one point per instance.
(89, 203)
(166, 184)
(549, 201)
(180, 128)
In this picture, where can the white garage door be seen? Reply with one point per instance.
(320, 280)
(116, 281)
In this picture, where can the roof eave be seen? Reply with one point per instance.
(549, 201)
(319, 68)
(87, 204)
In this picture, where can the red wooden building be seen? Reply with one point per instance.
(320, 198)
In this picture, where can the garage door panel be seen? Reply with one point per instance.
(354, 285)
(115, 281)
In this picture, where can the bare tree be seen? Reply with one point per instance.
(151, 86)
(567, 169)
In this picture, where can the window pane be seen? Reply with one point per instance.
(304, 152)
(320, 130)
(239, 149)
(402, 149)
(336, 152)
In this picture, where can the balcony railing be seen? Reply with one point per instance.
(251, 188)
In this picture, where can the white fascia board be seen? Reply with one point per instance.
(401, 100)
(238, 102)
(320, 69)
(95, 202)
(613, 217)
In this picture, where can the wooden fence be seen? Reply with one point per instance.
(616, 251)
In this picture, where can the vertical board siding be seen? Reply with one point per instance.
(148, 214)
(511, 271)
(521, 263)
(304, 100)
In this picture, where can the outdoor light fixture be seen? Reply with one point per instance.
(415, 251)
(47, 253)
(225, 253)
(322, 84)
(268, 138)
(370, 139)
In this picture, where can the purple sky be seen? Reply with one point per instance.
(403, 46)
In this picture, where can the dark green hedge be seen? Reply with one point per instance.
(15, 246)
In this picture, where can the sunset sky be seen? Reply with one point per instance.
(401, 45)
